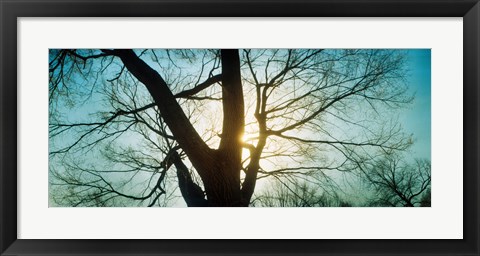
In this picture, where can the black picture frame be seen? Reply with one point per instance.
(10, 10)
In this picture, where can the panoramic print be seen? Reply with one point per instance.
(239, 127)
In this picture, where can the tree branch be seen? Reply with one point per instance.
(189, 93)
(187, 137)
(191, 192)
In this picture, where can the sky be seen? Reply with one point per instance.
(417, 118)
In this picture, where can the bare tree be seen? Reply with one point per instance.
(397, 183)
(298, 193)
(120, 120)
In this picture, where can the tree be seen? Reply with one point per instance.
(299, 194)
(222, 118)
(397, 183)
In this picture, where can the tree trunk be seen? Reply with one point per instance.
(223, 186)
(219, 169)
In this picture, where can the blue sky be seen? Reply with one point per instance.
(417, 118)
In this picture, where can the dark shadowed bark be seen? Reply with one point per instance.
(191, 192)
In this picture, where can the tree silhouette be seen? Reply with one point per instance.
(297, 193)
(397, 183)
(134, 127)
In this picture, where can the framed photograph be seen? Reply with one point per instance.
(247, 128)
